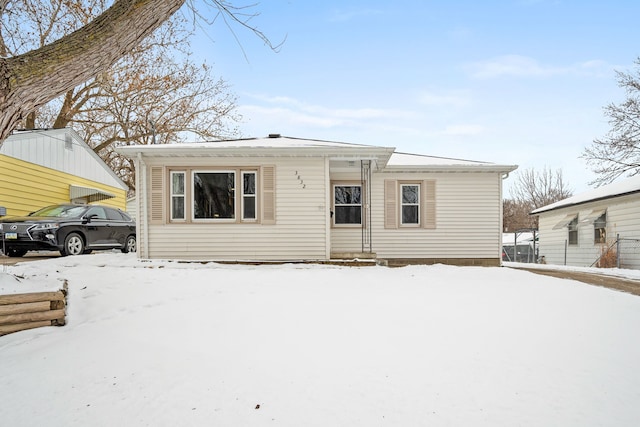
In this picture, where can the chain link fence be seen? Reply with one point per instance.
(627, 253)
(520, 246)
(621, 253)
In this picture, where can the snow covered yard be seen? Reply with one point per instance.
(178, 344)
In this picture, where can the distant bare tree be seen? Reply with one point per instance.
(532, 190)
(618, 153)
(516, 216)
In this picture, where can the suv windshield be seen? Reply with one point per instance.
(60, 211)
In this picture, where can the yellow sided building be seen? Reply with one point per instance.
(39, 168)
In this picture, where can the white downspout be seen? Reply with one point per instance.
(141, 175)
(327, 221)
(503, 177)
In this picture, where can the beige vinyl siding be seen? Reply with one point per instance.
(467, 219)
(467, 213)
(300, 216)
(623, 218)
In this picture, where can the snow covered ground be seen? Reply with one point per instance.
(176, 344)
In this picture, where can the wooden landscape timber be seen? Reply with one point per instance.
(19, 312)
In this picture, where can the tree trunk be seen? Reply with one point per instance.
(30, 80)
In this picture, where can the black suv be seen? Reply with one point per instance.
(70, 229)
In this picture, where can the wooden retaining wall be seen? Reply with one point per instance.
(19, 312)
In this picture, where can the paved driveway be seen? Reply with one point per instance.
(621, 284)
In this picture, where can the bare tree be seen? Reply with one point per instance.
(515, 216)
(532, 190)
(30, 80)
(618, 152)
(153, 94)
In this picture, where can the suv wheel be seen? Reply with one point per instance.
(129, 245)
(73, 245)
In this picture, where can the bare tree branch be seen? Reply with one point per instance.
(533, 190)
(618, 152)
(30, 80)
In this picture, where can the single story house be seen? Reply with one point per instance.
(576, 231)
(281, 198)
(46, 167)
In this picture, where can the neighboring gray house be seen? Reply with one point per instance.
(281, 198)
(577, 230)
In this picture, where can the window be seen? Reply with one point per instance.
(177, 195)
(347, 204)
(410, 204)
(214, 195)
(573, 231)
(113, 215)
(249, 195)
(230, 195)
(600, 229)
(96, 213)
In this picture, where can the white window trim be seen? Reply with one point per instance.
(347, 184)
(575, 230)
(418, 204)
(254, 195)
(172, 195)
(235, 196)
(603, 236)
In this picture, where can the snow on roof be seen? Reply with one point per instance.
(434, 163)
(277, 144)
(407, 159)
(275, 141)
(628, 186)
(523, 237)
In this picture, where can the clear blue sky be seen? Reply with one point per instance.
(514, 82)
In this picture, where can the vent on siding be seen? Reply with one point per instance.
(68, 142)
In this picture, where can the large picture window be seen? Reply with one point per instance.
(214, 195)
(410, 204)
(177, 196)
(230, 195)
(347, 204)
